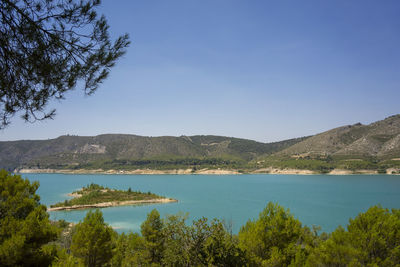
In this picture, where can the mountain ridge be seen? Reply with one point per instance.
(375, 146)
(79, 150)
(354, 140)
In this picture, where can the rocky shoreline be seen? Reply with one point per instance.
(269, 170)
(138, 171)
(114, 204)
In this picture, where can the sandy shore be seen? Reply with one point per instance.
(138, 171)
(114, 204)
(282, 171)
(269, 170)
(346, 172)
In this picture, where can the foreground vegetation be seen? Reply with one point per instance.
(275, 238)
(94, 194)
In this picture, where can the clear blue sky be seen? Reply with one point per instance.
(263, 70)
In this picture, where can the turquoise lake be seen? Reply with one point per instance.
(324, 200)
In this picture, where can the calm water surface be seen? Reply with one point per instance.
(322, 200)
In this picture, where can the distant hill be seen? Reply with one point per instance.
(355, 148)
(380, 139)
(121, 149)
(374, 147)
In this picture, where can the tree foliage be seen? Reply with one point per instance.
(24, 223)
(152, 232)
(46, 48)
(275, 239)
(131, 250)
(221, 248)
(176, 241)
(201, 244)
(92, 240)
(372, 239)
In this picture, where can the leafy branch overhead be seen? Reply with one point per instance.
(47, 47)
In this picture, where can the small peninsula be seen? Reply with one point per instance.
(97, 196)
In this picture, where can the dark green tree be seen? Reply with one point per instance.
(92, 240)
(272, 240)
(221, 248)
(377, 234)
(65, 259)
(121, 249)
(152, 231)
(130, 250)
(371, 239)
(199, 234)
(335, 251)
(46, 48)
(24, 223)
(176, 241)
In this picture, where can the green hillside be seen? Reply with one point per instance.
(379, 139)
(353, 147)
(118, 151)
